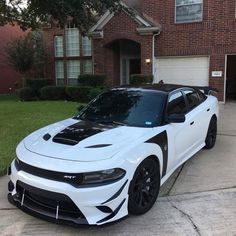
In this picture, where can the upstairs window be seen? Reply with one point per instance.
(188, 11)
(86, 46)
(72, 42)
(58, 46)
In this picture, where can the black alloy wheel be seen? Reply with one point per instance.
(211, 134)
(144, 187)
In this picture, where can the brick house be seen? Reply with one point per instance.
(10, 80)
(191, 42)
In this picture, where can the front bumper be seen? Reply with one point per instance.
(62, 203)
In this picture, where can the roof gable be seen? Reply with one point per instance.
(145, 25)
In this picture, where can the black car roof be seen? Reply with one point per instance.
(166, 88)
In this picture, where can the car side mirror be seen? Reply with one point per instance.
(176, 118)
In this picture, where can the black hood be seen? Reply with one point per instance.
(75, 133)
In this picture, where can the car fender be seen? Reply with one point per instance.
(139, 153)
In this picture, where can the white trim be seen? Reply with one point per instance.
(153, 55)
(102, 21)
(147, 30)
(225, 77)
(108, 16)
(142, 21)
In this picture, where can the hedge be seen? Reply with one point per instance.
(53, 93)
(94, 92)
(78, 93)
(37, 84)
(96, 80)
(27, 94)
(140, 79)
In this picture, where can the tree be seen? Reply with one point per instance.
(27, 54)
(8, 14)
(83, 12)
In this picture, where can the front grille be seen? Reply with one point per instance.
(70, 178)
(49, 204)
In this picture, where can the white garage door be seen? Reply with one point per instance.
(183, 70)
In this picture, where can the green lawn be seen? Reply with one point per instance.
(18, 119)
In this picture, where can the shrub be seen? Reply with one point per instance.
(94, 92)
(140, 79)
(27, 94)
(78, 93)
(53, 93)
(37, 84)
(92, 80)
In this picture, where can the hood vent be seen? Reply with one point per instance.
(46, 137)
(99, 146)
(73, 134)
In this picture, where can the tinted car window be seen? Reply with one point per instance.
(142, 108)
(176, 104)
(202, 96)
(192, 98)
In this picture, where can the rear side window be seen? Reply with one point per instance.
(176, 104)
(202, 96)
(193, 98)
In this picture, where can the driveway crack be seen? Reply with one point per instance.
(187, 216)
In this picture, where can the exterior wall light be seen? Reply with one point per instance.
(148, 61)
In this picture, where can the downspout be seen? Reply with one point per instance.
(153, 53)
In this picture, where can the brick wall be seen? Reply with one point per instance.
(215, 36)
(48, 37)
(10, 79)
(106, 53)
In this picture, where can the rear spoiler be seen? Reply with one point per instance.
(207, 90)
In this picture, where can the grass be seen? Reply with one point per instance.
(18, 119)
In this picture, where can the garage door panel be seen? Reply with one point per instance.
(187, 71)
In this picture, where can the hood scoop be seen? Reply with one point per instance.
(75, 133)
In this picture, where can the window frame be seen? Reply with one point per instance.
(68, 42)
(192, 21)
(168, 99)
(54, 42)
(63, 71)
(84, 42)
(68, 66)
(186, 99)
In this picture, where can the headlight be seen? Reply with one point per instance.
(103, 177)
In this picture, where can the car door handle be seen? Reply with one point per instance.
(192, 123)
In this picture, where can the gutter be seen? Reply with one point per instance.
(153, 53)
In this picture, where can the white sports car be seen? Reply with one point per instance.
(111, 159)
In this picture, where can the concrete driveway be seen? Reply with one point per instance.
(199, 199)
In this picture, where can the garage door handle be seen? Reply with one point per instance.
(192, 123)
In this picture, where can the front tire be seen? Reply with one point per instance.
(144, 187)
(211, 133)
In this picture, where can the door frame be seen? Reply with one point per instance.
(128, 58)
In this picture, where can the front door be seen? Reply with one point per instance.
(129, 66)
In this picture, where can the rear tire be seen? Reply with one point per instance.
(144, 187)
(211, 133)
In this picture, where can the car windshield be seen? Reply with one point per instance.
(142, 108)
